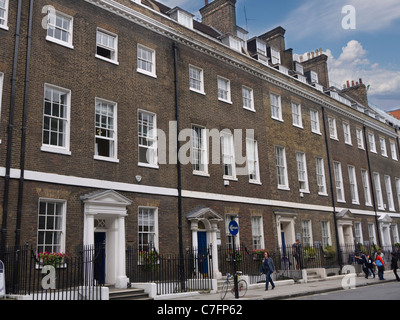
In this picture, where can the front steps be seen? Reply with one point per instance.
(128, 294)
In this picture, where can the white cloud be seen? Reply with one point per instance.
(352, 64)
(316, 18)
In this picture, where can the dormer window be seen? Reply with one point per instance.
(314, 77)
(275, 56)
(232, 42)
(242, 35)
(183, 17)
(298, 68)
(261, 47)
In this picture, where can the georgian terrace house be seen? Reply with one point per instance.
(131, 123)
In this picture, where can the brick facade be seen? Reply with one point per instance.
(72, 176)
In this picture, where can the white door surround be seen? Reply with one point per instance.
(109, 206)
(209, 219)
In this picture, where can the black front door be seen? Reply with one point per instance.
(100, 257)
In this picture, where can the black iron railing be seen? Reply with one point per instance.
(51, 276)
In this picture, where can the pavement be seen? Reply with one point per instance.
(286, 289)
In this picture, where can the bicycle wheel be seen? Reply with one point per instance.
(225, 289)
(242, 288)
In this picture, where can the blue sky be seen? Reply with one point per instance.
(371, 51)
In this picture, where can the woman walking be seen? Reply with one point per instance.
(268, 267)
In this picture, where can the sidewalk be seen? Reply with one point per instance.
(289, 289)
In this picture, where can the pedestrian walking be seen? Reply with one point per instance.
(381, 266)
(370, 265)
(268, 268)
(297, 253)
(394, 265)
(363, 260)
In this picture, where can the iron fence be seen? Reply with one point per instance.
(51, 276)
(170, 272)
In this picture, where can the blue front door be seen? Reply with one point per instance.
(202, 251)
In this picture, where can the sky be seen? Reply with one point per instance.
(360, 37)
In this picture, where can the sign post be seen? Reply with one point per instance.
(234, 229)
(2, 281)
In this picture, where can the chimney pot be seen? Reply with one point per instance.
(361, 81)
(352, 83)
(348, 84)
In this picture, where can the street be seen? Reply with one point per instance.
(384, 291)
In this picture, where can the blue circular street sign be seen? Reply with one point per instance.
(233, 227)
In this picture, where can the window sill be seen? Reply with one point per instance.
(107, 60)
(198, 91)
(201, 174)
(148, 165)
(51, 149)
(146, 73)
(225, 101)
(59, 42)
(284, 188)
(96, 157)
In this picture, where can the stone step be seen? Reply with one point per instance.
(128, 294)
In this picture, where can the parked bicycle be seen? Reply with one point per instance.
(228, 286)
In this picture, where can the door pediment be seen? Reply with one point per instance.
(105, 202)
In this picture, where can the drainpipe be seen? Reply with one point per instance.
(371, 183)
(10, 130)
(23, 138)
(181, 264)
(332, 192)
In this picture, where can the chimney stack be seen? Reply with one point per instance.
(221, 15)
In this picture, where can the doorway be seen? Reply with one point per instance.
(202, 251)
(100, 257)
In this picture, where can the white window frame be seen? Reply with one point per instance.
(347, 133)
(371, 233)
(389, 192)
(302, 171)
(296, 115)
(281, 168)
(321, 179)
(4, 10)
(326, 233)
(199, 147)
(395, 233)
(1, 91)
(372, 143)
(276, 107)
(353, 185)
(224, 89)
(110, 128)
(378, 190)
(397, 180)
(360, 139)
(65, 147)
(366, 187)
(306, 233)
(147, 61)
(314, 118)
(253, 163)
(337, 168)
(275, 56)
(228, 156)
(332, 128)
(113, 49)
(60, 230)
(382, 142)
(196, 79)
(53, 17)
(257, 232)
(147, 132)
(248, 98)
(393, 150)
(358, 236)
(154, 233)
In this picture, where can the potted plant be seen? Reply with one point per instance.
(149, 259)
(55, 259)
